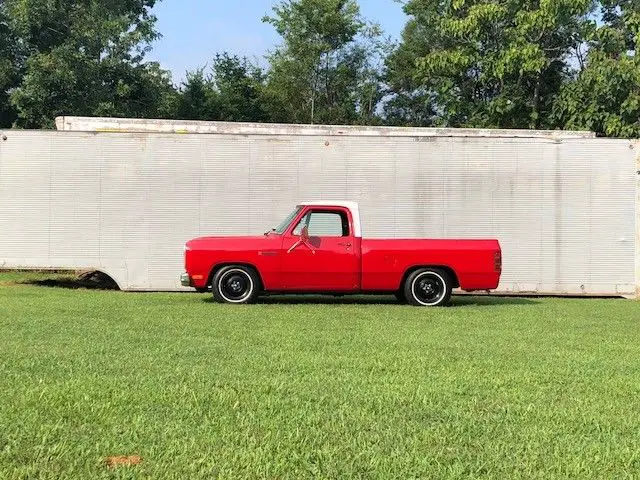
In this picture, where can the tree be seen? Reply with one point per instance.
(198, 98)
(410, 101)
(605, 97)
(486, 63)
(9, 75)
(231, 92)
(240, 87)
(326, 70)
(86, 58)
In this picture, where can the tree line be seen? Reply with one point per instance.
(543, 64)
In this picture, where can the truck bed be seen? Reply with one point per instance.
(477, 263)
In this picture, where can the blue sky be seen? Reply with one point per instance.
(194, 30)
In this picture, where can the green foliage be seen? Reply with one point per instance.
(492, 388)
(326, 70)
(567, 64)
(240, 86)
(605, 97)
(84, 58)
(198, 98)
(410, 102)
(9, 74)
(488, 63)
(231, 92)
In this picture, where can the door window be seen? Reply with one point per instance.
(324, 224)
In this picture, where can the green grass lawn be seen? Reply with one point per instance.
(489, 388)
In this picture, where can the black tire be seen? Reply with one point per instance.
(400, 296)
(428, 287)
(235, 284)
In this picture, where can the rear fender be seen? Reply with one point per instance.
(452, 274)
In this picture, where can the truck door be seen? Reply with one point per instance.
(319, 253)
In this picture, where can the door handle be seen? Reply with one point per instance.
(348, 245)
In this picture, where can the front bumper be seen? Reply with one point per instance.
(185, 280)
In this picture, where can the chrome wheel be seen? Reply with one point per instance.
(235, 285)
(428, 288)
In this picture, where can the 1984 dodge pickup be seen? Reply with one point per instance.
(319, 248)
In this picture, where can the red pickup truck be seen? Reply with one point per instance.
(319, 248)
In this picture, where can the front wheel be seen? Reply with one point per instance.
(428, 287)
(235, 284)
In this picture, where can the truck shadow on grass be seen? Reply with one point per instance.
(456, 301)
(85, 281)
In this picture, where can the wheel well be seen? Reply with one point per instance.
(220, 266)
(449, 270)
(99, 279)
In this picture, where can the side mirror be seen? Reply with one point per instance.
(304, 240)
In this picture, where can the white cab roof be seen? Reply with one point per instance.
(351, 206)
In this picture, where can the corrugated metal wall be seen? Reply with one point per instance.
(563, 210)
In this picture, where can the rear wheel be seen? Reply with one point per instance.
(235, 284)
(428, 287)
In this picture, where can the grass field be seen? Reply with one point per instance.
(364, 388)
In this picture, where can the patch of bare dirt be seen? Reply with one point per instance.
(122, 461)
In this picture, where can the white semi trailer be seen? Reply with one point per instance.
(122, 196)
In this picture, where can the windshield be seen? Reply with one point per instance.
(283, 226)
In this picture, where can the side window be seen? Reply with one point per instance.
(324, 224)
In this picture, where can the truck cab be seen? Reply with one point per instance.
(321, 249)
